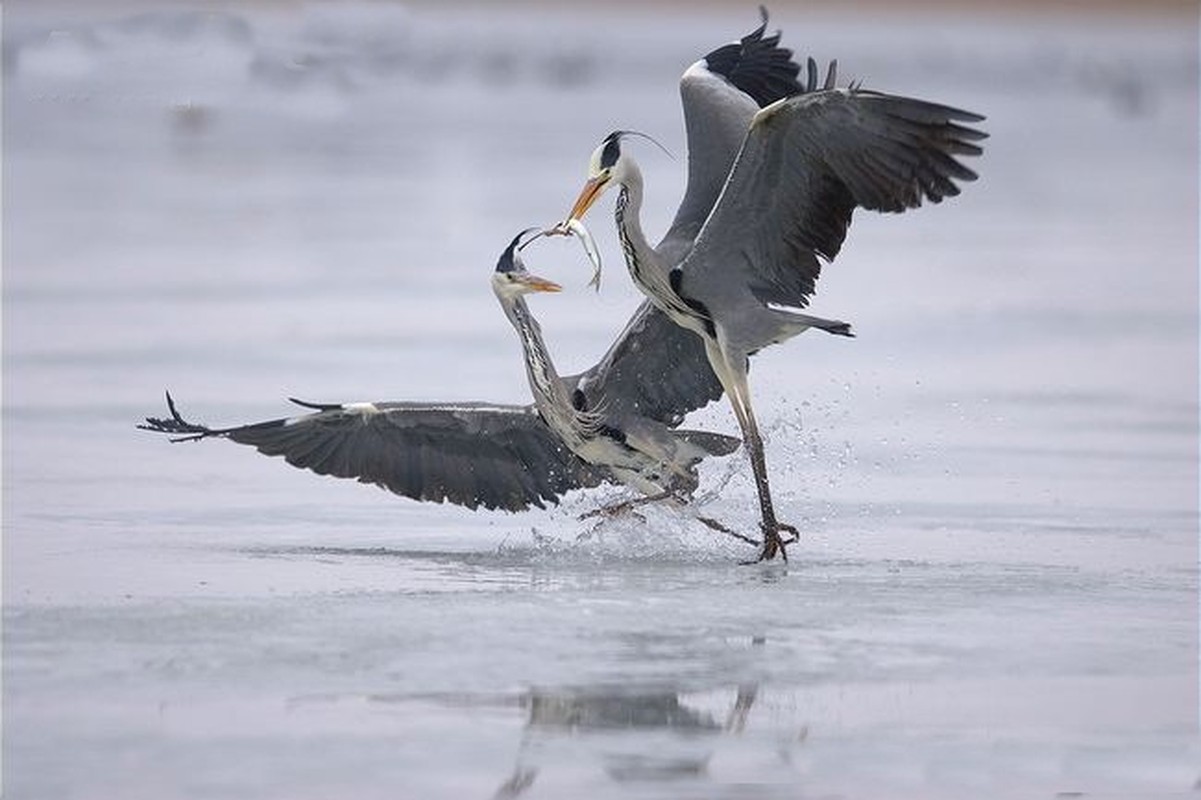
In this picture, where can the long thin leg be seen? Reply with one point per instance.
(713, 524)
(623, 506)
(733, 379)
(613, 509)
(773, 543)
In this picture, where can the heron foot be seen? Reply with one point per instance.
(773, 543)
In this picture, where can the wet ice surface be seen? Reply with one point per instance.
(996, 595)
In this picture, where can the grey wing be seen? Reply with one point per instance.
(807, 163)
(470, 454)
(720, 95)
(655, 369)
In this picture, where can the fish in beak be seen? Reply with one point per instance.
(576, 228)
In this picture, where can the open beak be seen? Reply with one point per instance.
(536, 284)
(592, 190)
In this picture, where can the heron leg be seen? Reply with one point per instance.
(731, 372)
(713, 524)
(773, 542)
(628, 506)
(621, 507)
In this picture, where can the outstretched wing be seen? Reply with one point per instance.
(720, 94)
(808, 161)
(470, 454)
(655, 369)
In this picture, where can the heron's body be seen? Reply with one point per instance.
(636, 450)
(774, 175)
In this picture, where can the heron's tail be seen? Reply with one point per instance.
(835, 326)
(797, 320)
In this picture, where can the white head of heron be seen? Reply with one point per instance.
(606, 168)
(609, 166)
(511, 279)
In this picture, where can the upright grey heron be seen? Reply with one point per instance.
(740, 260)
(503, 456)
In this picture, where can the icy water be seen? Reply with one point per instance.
(996, 595)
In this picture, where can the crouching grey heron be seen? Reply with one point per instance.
(613, 423)
(770, 195)
(636, 450)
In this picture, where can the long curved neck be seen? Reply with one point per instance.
(651, 271)
(548, 390)
(647, 269)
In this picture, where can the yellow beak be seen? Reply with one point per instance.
(592, 190)
(536, 284)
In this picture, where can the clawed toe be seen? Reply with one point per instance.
(774, 544)
(794, 534)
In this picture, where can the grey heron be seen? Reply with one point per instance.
(770, 195)
(638, 451)
(506, 456)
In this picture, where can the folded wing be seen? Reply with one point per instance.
(655, 369)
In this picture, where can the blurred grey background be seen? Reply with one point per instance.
(245, 201)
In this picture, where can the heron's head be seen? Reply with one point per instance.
(609, 166)
(511, 279)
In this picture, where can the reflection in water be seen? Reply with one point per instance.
(638, 733)
(593, 710)
(556, 716)
(747, 692)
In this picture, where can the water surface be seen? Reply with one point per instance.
(997, 590)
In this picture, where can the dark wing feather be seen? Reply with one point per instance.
(757, 66)
(470, 454)
(807, 163)
(655, 369)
